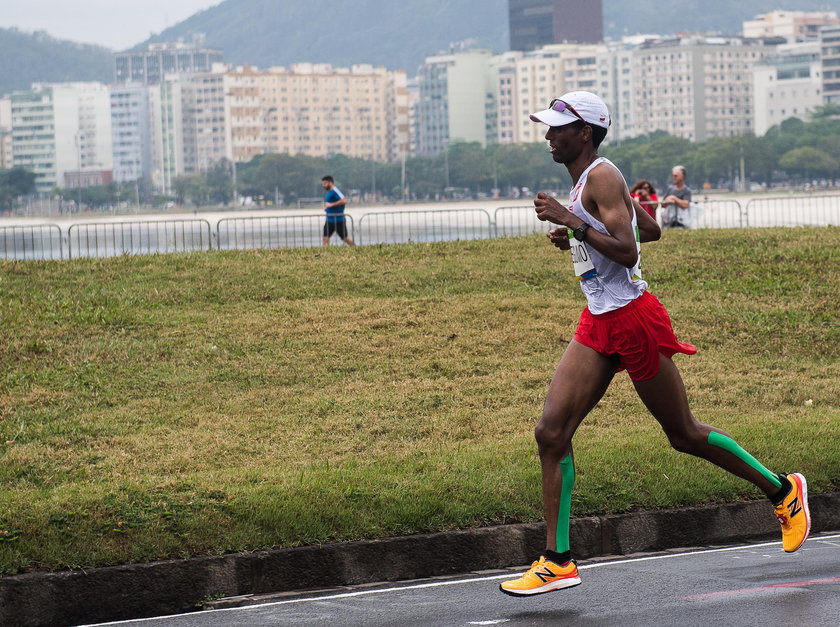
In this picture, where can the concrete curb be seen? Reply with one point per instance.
(170, 587)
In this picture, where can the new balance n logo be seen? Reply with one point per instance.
(794, 507)
(545, 574)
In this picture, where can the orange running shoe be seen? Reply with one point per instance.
(793, 513)
(543, 576)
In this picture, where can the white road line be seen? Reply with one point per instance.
(455, 582)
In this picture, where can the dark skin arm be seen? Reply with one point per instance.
(605, 198)
(649, 230)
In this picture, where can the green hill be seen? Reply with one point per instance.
(630, 17)
(36, 57)
(398, 35)
(401, 34)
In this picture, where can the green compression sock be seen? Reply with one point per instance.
(728, 444)
(567, 468)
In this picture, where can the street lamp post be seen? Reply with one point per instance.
(266, 148)
(446, 162)
(79, 177)
(233, 167)
(402, 177)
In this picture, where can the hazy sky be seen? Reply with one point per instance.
(115, 24)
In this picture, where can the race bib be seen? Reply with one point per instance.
(584, 268)
(636, 273)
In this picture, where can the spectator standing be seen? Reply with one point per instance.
(676, 201)
(334, 203)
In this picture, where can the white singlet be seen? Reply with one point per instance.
(608, 285)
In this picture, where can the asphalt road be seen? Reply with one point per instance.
(756, 584)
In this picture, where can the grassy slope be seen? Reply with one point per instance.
(168, 406)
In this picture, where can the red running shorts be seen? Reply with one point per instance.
(638, 333)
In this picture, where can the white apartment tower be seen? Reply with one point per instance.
(172, 131)
(185, 125)
(130, 124)
(62, 132)
(457, 101)
(787, 84)
(5, 133)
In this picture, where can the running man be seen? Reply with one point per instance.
(334, 203)
(623, 327)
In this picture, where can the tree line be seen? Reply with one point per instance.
(792, 152)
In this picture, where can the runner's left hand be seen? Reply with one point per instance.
(549, 210)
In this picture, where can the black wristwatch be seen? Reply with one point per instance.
(580, 232)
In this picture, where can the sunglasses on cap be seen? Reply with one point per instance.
(561, 105)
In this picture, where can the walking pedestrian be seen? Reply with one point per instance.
(334, 203)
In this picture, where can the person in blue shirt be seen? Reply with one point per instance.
(334, 203)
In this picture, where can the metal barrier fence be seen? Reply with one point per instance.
(794, 211)
(705, 214)
(310, 202)
(105, 239)
(31, 241)
(713, 214)
(109, 239)
(274, 232)
(516, 221)
(402, 227)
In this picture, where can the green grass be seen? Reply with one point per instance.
(170, 406)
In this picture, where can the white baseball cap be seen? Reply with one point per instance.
(572, 107)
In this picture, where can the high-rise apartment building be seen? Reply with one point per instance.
(528, 81)
(33, 136)
(618, 64)
(62, 133)
(830, 64)
(793, 26)
(457, 101)
(208, 112)
(178, 88)
(130, 122)
(537, 23)
(172, 131)
(318, 110)
(695, 87)
(787, 84)
(151, 66)
(5, 133)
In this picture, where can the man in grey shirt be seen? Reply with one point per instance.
(676, 201)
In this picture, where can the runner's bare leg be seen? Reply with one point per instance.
(579, 382)
(664, 396)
